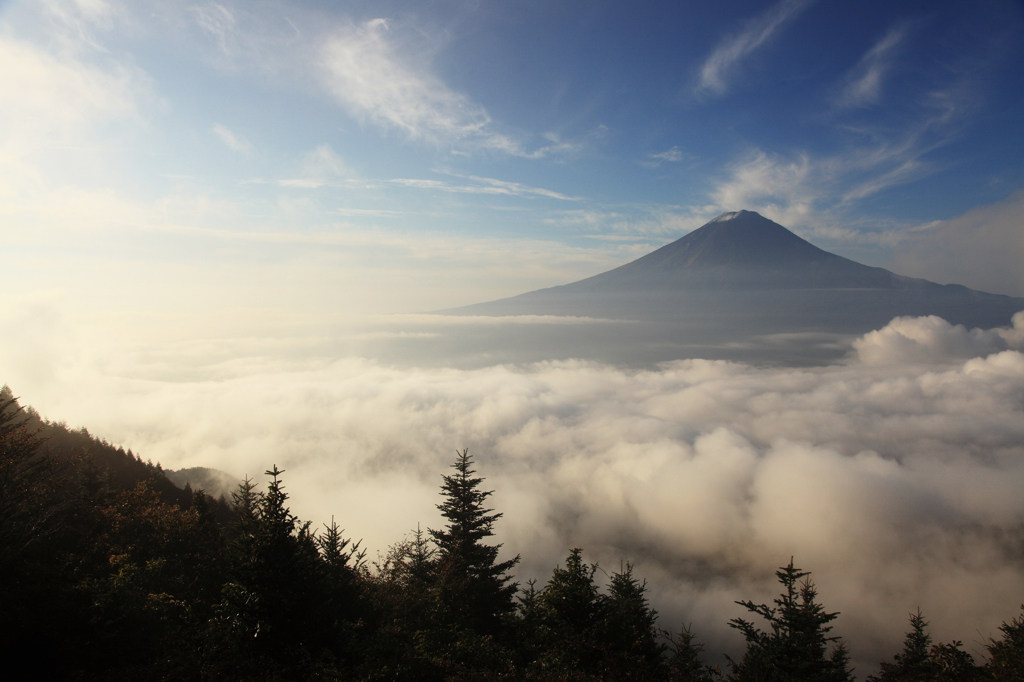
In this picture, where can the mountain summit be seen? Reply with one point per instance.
(740, 239)
(742, 272)
(745, 250)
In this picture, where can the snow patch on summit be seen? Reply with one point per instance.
(724, 217)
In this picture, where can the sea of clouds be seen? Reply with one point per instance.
(896, 476)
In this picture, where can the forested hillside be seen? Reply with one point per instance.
(111, 572)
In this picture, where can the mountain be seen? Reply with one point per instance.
(743, 266)
(744, 249)
(741, 287)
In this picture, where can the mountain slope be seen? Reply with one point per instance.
(742, 269)
(745, 249)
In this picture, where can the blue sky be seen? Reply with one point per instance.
(449, 152)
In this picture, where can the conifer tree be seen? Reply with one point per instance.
(275, 598)
(28, 483)
(794, 649)
(684, 663)
(629, 633)
(630, 623)
(571, 612)
(472, 587)
(1007, 654)
(919, 662)
(571, 600)
(912, 663)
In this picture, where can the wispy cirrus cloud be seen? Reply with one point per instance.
(793, 188)
(864, 83)
(483, 186)
(808, 192)
(783, 189)
(319, 167)
(367, 76)
(216, 20)
(232, 140)
(733, 49)
(673, 155)
(368, 73)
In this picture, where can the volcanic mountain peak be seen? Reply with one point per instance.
(742, 249)
(739, 282)
(742, 239)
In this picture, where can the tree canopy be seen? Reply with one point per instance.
(111, 572)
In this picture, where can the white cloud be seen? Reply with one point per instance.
(320, 167)
(706, 474)
(483, 186)
(910, 340)
(791, 190)
(232, 140)
(376, 83)
(731, 51)
(519, 189)
(388, 84)
(802, 190)
(217, 20)
(982, 249)
(864, 83)
(644, 225)
(94, 8)
(366, 75)
(52, 100)
(55, 120)
(783, 190)
(673, 155)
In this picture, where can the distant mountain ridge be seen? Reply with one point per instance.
(744, 249)
(737, 281)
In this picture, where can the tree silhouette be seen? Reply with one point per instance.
(275, 597)
(630, 633)
(794, 649)
(472, 587)
(912, 663)
(1007, 654)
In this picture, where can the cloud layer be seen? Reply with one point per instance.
(894, 477)
(982, 249)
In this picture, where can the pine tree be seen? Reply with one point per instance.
(684, 663)
(570, 600)
(276, 597)
(913, 662)
(795, 647)
(29, 481)
(472, 587)
(1007, 654)
(629, 631)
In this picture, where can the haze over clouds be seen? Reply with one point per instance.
(982, 249)
(894, 477)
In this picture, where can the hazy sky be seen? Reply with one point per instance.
(206, 165)
(200, 202)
